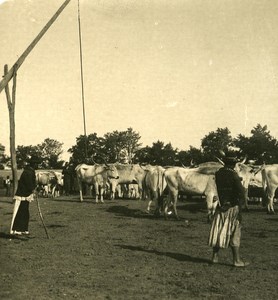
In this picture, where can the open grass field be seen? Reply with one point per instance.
(116, 251)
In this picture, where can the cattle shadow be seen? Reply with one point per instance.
(124, 211)
(56, 226)
(55, 213)
(193, 207)
(176, 256)
(272, 220)
(69, 200)
(7, 213)
(6, 200)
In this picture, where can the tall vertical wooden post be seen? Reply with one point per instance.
(11, 107)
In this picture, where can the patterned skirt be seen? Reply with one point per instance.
(225, 229)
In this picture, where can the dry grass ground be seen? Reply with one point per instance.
(116, 251)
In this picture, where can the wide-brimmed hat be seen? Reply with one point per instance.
(230, 160)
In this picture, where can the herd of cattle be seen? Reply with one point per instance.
(154, 182)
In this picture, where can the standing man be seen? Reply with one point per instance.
(8, 184)
(23, 196)
(66, 178)
(226, 225)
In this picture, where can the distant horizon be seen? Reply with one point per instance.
(66, 155)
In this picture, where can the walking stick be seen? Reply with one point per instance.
(40, 214)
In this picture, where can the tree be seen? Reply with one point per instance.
(192, 156)
(23, 153)
(158, 154)
(143, 155)
(94, 146)
(50, 150)
(260, 146)
(3, 157)
(116, 146)
(220, 139)
(121, 146)
(2, 150)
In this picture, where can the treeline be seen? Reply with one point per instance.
(125, 147)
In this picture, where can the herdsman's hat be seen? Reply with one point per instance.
(229, 158)
(32, 160)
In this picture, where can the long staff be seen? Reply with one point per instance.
(40, 214)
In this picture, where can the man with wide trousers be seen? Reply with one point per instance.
(226, 225)
(23, 196)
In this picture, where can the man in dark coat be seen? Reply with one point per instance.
(67, 178)
(23, 196)
(226, 225)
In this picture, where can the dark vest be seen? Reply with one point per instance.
(26, 183)
(229, 187)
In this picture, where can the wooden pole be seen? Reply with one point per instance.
(40, 215)
(82, 81)
(21, 59)
(11, 108)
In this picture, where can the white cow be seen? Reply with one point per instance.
(47, 182)
(154, 185)
(270, 184)
(96, 175)
(192, 182)
(128, 174)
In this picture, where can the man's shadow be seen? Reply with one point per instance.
(9, 236)
(177, 256)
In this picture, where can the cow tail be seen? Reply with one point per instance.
(161, 188)
(159, 183)
(265, 184)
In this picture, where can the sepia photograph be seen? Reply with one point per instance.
(138, 149)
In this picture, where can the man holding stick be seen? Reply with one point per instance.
(23, 196)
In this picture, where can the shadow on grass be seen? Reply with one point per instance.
(177, 256)
(56, 226)
(86, 200)
(8, 236)
(124, 211)
(69, 200)
(128, 212)
(193, 207)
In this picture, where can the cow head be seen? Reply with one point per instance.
(112, 172)
(245, 172)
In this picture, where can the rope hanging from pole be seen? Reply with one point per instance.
(82, 81)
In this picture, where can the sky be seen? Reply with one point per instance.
(171, 70)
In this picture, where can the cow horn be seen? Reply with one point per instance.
(143, 166)
(104, 161)
(92, 158)
(244, 160)
(259, 169)
(220, 160)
